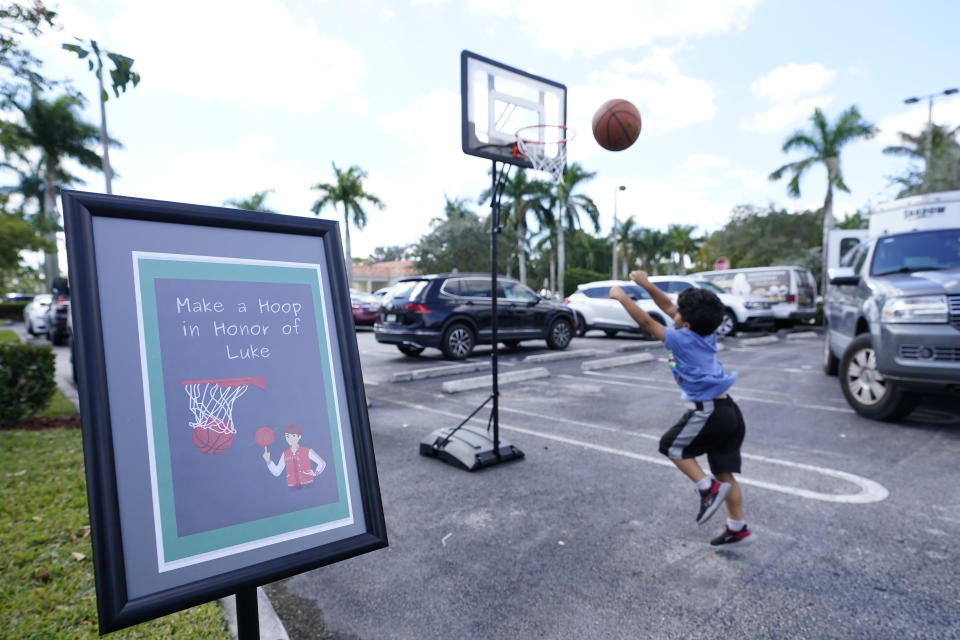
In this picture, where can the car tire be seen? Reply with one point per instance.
(409, 350)
(830, 362)
(58, 339)
(728, 325)
(864, 387)
(611, 333)
(560, 334)
(458, 341)
(581, 325)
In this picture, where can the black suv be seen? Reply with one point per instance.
(453, 312)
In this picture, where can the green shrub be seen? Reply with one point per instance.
(26, 380)
(575, 276)
(12, 310)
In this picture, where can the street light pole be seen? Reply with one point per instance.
(928, 152)
(613, 269)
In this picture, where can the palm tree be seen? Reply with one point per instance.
(58, 132)
(256, 202)
(824, 144)
(569, 205)
(680, 241)
(651, 245)
(623, 233)
(943, 174)
(520, 197)
(348, 191)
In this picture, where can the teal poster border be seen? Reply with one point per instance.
(173, 550)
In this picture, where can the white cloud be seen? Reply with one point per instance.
(913, 120)
(254, 52)
(793, 81)
(784, 114)
(569, 27)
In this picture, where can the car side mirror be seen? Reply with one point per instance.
(843, 276)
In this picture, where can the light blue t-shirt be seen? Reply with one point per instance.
(693, 362)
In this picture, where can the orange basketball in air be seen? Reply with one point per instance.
(616, 124)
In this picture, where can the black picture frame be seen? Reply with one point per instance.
(101, 359)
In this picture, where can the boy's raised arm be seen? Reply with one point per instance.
(659, 297)
(641, 317)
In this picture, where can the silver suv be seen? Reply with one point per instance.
(893, 321)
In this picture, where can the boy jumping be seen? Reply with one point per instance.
(713, 425)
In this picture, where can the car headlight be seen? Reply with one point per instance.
(754, 304)
(915, 309)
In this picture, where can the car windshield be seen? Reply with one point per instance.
(703, 284)
(921, 251)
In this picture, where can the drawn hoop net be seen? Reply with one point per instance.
(545, 146)
(211, 401)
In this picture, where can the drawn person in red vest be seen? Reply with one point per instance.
(296, 460)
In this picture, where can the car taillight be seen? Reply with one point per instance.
(416, 307)
(566, 301)
(791, 298)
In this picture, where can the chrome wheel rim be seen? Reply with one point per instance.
(460, 342)
(864, 381)
(726, 325)
(561, 334)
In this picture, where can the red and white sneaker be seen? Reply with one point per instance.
(731, 538)
(711, 499)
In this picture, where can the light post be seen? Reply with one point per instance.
(613, 269)
(928, 155)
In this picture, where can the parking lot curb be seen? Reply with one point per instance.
(639, 346)
(563, 355)
(803, 335)
(469, 384)
(760, 340)
(619, 361)
(439, 372)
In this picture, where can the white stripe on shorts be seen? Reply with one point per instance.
(690, 430)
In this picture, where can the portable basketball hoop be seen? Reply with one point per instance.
(545, 147)
(211, 403)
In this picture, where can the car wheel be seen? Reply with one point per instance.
(560, 334)
(865, 388)
(458, 341)
(409, 350)
(611, 333)
(830, 362)
(728, 325)
(581, 325)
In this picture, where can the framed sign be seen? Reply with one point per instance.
(225, 429)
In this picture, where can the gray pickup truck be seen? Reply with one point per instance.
(893, 312)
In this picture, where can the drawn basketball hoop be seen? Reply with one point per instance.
(211, 403)
(545, 146)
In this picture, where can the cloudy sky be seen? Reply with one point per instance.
(240, 96)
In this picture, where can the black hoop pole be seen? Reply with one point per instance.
(248, 617)
(494, 230)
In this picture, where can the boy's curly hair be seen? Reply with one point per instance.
(701, 308)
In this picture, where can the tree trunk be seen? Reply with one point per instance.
(828, 222)
(107, 171)
(51, 218)
(346, 244)
(521, 246)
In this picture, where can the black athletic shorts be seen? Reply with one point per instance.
(715, 428)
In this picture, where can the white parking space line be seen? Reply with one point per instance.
(870, 491)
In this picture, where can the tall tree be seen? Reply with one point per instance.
(569, 204)
(347, 191)
(943, 172)
(19, 19)
(824, 143)
(256, 202)
(121, 75)
(680, 241)
(57, 130)
(625, 230)
(521, 197)
(651, 245)
(16, 236)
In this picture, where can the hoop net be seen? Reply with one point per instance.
(545, 146)
(211, 401)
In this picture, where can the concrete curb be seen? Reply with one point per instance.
(563, 355)
(746, 342)
(619, 361)
(271, 628)
(638, 346)
(439, 372)
(468, 384)
(803, 335)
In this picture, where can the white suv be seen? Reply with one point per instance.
(596, 310)
(741, 312)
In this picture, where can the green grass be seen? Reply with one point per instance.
(58, 407)
(47, 586)
(8, 335)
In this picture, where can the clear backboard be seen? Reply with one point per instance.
(498, 100)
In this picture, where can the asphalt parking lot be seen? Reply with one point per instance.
(592, 534)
